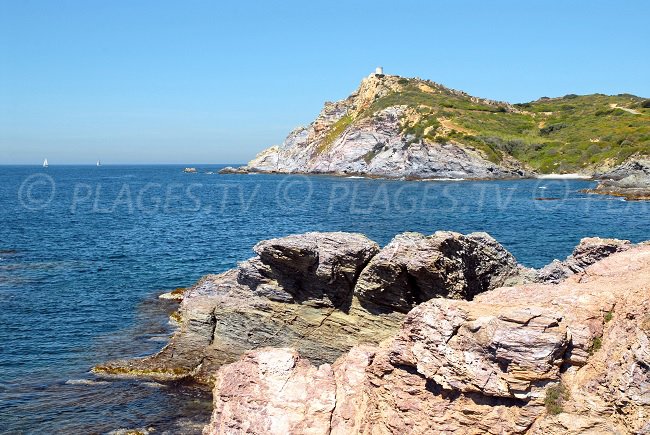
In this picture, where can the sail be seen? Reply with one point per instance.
(45, 165)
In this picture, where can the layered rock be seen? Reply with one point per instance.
(297, 292)
(321, 293)
(536, 358)
(414, 268)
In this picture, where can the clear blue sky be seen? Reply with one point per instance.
(209, 82)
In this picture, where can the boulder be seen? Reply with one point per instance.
(316, 268)
(414, 268)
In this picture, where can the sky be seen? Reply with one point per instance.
(154, 81)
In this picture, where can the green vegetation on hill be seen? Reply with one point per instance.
(334, 131)
(564, 134)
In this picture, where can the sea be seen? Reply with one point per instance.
(85, 251)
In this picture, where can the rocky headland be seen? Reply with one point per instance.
(630, 181)
(329, 333)
(410, 128)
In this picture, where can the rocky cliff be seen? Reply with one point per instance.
(563, 358)
(395, 127)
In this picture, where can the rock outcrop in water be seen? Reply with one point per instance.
(630, 181)
(559, 358)
(320, 293)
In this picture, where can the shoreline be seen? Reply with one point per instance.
(355, 175)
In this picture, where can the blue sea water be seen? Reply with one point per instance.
(84, 252)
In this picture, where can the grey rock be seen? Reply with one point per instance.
(631, 181)
(318, 268)
(631, 167)
(414, 268)
(320, 293)
(232, 170)
(296, 292)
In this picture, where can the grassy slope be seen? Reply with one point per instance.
(550, 135)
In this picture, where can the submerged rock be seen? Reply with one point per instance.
(536, 358)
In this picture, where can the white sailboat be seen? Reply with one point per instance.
(99, 163)
(45, 165)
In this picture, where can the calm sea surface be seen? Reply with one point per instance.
(84, 251)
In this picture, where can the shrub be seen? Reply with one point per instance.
(555, 397)
(596, 345)
(604, 112)
(545, 131)
(403, 81)
(608, 316)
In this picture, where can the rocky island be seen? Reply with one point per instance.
(329, 333)
(410, 128)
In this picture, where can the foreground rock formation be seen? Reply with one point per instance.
(572, 357)
(321, 293)
(630, 181)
